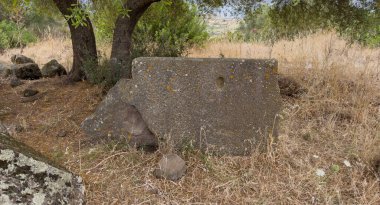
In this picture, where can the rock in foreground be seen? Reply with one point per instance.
(226, 106)
(26, 177)
(171, 167)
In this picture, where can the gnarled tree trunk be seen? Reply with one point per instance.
(122, 37)
(83, 42)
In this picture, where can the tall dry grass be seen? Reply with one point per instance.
(323, 50)
(43, 51)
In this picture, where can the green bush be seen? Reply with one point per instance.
(168, 29)
(4, 40)
(101, 72)
(12, 35)
(270, 23)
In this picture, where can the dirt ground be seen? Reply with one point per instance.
(60, 110)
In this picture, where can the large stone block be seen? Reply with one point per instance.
(27, 177)
(226, 106)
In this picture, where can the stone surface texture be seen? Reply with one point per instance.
(225, 106)
(4, 69)
(117, 120)
(21, 59)
(26, 177)
(27, 71)
(29, 92)
(171, 167)
(53, 68)
(14, 82)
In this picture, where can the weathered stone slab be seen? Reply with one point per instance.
(225, 106)
(26, 177)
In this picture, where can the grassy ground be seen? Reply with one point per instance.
(335, 122)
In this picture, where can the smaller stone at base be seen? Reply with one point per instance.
(171, 167)
(29, 92)
(62, 133)
(14, 82)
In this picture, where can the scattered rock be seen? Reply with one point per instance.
(6, 111)
(21, 59)
(19, 128)
(62, 133)
(320, 172)
(4, 69)
(27, 177)
(28, 71)
(14, 82)
(171, 167)
(3, 129)
(53, 68)
(29, 92)
(32, 98)
(290, 87)
(116, 120)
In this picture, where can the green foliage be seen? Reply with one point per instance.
(12, 35)
(167, 28)
(104, 19)
(37, 17)
(104, 72)
(257, 26)
(78, 15)
(281, 20)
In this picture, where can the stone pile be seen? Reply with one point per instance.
(25, 68)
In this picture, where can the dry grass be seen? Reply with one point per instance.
(44, 51)
(314, 51)
(337, 120)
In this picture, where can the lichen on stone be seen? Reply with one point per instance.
(26, 177)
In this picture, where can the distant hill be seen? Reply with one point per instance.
(218, 26)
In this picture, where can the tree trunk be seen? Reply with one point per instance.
(122, 37)
(83, 42)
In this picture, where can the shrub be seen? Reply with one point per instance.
(101, 73)
(168, 29)
(12, 35)
(270, 23)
